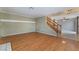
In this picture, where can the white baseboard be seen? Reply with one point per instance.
(14, 34)
(48, 33)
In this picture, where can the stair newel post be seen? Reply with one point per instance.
(60, 30)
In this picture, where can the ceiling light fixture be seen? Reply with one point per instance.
(31, 8)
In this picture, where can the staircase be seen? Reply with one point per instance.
(54, 25)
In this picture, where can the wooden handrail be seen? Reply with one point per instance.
(54, 25)
(53, 21)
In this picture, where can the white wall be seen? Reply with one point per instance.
(15, 28)
(43, 27)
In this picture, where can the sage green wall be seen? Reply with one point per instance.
(14, 17)
(42, 27)
(1, 29)
(15, 28)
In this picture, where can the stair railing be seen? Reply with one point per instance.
(54, 25)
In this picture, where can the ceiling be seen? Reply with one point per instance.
(32, 12)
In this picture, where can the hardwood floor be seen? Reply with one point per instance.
(40, 42)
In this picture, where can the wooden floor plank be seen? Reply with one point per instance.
(40, 42)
